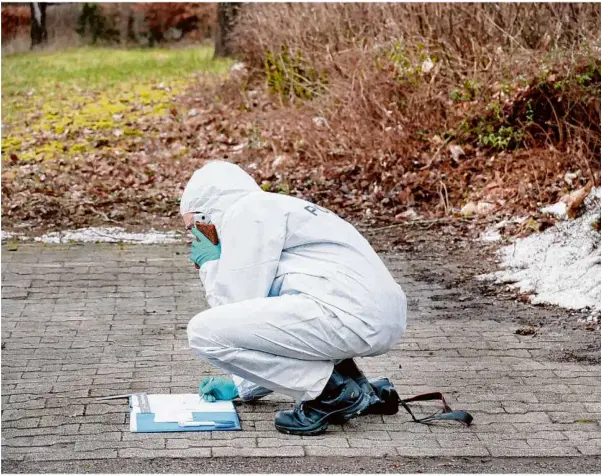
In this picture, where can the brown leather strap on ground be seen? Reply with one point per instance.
(446, 414)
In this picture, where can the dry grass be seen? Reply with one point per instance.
(371, 96)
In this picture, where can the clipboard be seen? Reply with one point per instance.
(161, 413)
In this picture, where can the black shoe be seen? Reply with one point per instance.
(383, 397)
(342, 398)
(388, 397)
(348, 368)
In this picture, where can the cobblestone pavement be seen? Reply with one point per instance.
(83, 321)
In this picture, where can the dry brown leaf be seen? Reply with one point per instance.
(575, 199)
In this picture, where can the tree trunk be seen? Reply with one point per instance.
(226, 16)
(39, 34)
(124, 23)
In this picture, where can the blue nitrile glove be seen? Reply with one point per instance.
(217, 388)
(203, 250)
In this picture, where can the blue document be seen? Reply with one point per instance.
(180, 412)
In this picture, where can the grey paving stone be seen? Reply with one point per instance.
(581, 435)
(23, 432)
(368, 435)
(21, 423)
(98, 444)
(314, 450)
(27, 441)
(285, 451)
(182, 443)
(501, 450)
(224, 435)
(590, 449)
(98, 428)
(24, 405)
(86, 321)
(58, 455)
(75, 437)
(421, 451)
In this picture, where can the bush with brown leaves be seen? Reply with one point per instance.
(15, 21)
(369, 102)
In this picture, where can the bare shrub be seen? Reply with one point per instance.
(15, 21)
(371, 96)
(61, 21)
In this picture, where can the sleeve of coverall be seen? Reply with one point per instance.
(249, 391)
(251, 246)
(207, 274)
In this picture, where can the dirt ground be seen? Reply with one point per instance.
(449, 255)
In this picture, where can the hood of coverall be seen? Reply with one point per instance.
(216, 187)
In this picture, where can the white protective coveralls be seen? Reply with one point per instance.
(296, 289)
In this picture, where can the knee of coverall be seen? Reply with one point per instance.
(398, 316)
(202, 338)
(393, 324)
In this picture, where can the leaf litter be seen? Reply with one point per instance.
(130, 170)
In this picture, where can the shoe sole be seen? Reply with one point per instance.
(313, 432)
(342, 416)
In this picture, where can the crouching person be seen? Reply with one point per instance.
(295, 293)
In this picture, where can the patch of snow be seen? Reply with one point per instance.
(562, 265)
(7, 235)
(559, 210)
(110, 235)
(592, 319)
(494, 232)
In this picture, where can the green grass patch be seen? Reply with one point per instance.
(78, 101)
(94, 67)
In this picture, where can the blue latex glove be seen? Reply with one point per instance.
(203, 250)
(217, 388)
